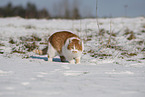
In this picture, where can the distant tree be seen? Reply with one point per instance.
(43, 14)
(67, 13)
(1, 12)
(19, 11)
(76, 14)
(31, 10)
(8, 11)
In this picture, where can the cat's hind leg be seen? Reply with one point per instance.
(51, 52)
(50, 58)
(63, 59)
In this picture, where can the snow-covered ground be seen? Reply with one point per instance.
(112, 65)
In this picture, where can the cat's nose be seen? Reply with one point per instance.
(74, 51)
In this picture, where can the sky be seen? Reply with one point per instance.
(105, 8)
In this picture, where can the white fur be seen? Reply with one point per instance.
(51, 52)
(65, 52)
(74, 38)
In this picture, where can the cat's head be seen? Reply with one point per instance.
(75, 45)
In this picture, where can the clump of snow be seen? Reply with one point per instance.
(3, 73)
(122, 72)
(74, 73)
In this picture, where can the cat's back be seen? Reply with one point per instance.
(58, 39)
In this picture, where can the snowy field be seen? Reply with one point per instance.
(112, 64)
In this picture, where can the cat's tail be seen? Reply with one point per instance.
(41, 52)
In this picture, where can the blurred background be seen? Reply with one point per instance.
(72, 9)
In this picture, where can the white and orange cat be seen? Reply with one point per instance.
(65, 44)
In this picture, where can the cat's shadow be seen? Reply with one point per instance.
(45, 58)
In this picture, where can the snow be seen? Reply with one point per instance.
(116, 71)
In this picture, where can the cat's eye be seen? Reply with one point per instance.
(72, 47)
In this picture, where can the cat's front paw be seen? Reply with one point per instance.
(72, 61)
(49, 59)
(77, 60)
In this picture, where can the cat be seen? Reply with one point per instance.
(65, 44)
